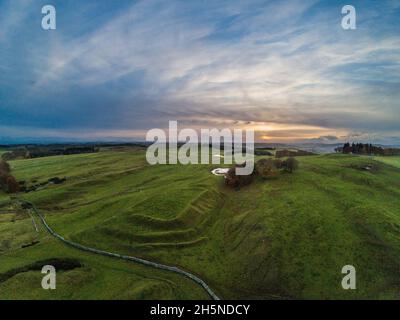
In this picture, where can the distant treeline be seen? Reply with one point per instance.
(369, 149)
(292, 153)
(29, 152)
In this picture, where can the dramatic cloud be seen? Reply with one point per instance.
(284, 68)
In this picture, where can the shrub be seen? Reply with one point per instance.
(278, 163)
(7, 181)
(237, 181)
(291, 164)
(12, 185)
(4, 167)
(3, 180)
(266, 168)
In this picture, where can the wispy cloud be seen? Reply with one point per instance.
(284, 65)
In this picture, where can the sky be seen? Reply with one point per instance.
(112, 70)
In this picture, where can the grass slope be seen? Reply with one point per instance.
(394, 161)
(278, 239)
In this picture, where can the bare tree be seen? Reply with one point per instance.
(237, 181)
(266, 168)
(4, 167)
(291, 164)
(7, 182)
(12, 185)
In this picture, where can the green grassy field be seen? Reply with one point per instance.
(278, 239)
(394, 161)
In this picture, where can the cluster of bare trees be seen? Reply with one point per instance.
(360, 148)
(7, 181)
(369, 149)
(264, 168)
(236, 181)
(271, 168)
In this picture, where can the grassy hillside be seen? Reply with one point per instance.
(394, 161)
(278, 239)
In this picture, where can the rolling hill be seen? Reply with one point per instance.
(286, 238)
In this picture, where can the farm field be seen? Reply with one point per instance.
(285, 238)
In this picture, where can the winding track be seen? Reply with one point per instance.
(29, 205)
